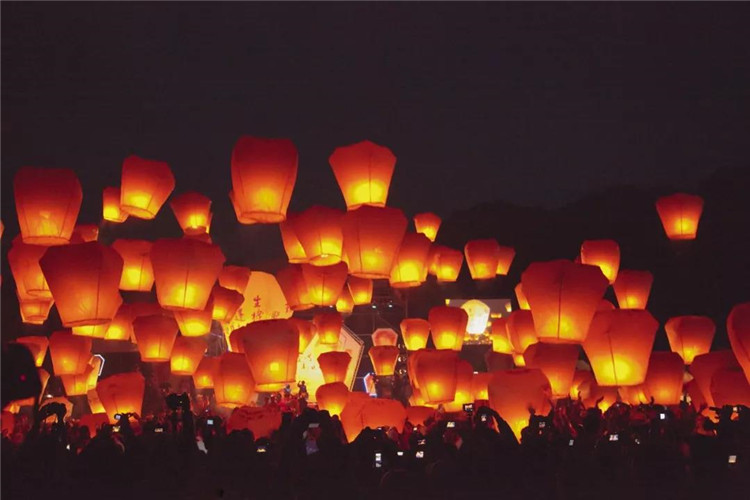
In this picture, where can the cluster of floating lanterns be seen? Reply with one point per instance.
(334, 256)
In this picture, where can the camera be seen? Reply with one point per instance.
(469, 407)
(614, 437)
(570, 443)
(450, 425)
(400, 453)
(210, 421)
(732, 459)
(542, 425)
(419, 454)
(421, 442)
(261, 448)
(662, 416)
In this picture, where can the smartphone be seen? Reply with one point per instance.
(614, 437)
(400, 453)
(570, 443)
(542, 425)
(450, 425)
(469, 407)
(313, 425)
(662, 416)
(419, 454)
(116, 428)
(118, 416)
(67, 447)
(210, 421)
(261, 449)
(378, 459)
(483, 418)
(159, 429)
(421, 442)
(732, 459)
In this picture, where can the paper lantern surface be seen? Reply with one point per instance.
(680, 214)
(363, 172)
(145, 186)
(428, 224)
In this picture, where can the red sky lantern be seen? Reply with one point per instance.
(193, 212)
(409, 267)
(328, 325)
(557, 362)
(513, 392)
(505, 259)
(145, 186)
(264, 172)
(293, 285)
(155, 337)
(295, 252)
(523, 303)
(482, 257)
(729, 387)
(435, 372)
(121, 326)
(383, 359)
(318, 230)
(332, 397)
(111, 210)
(195, 323)
(372, 237)
(203, 378)
(448, 327)
(664, 378)
(632, 288)
(324, 283)
(76, 385)
(345, 303)
(680, 214)
(305, 330)
(704, 367)
(464, 376)
(137, 272)
(521, 331)
(428, 224)
(234, 385)
(235, 278)
(602, 253)
(47, 204)
(479, 383)
(70, 354)
(500, 337)
(415, 332)
(690, 336)
(361, 290)
(448, 264)
(271, 348)
(34, 311)
(187, 354)
(121, 393)
(384, 336)
(363, 172)
(373, 413)
(94, 331)
(24, 264)
(226, 303)
(738, 329)
(334, 365)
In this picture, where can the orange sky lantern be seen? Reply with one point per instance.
(361, 290)
(318, 230)
(563, 297)
(665, 377)
(226, 302)
(187, 354)
(111, 210)
(195, 323)
(233, 381)
(505, 259)
(193, 212)
(373, 413)
(482, 257)
(121, 393)
(521, 331)
(582, 383)
(145, 186)
(295, 252)
(372, 237)
(235, 278)
(619, 344)
(463, 395)
(203, 378)
(415, 332)
(94, 331)
(77, 385)
(680, 214)
(428, 224)
(604, 254)
(271, 348)
(705, 365)
(70, 354)
(137, 272)
(432, 258)
(448, 327)
(513, 392)
(324, 283)
(690, 336)
(47, 204)
(383, 358)
(328, 326)
(419, 415)
(34, 311)
(305, 330)
(185, 271)
(384, 336)
(332, 397)
(479, 384)
(409, 268)
(84, 233)
(264, 172)
(155, 337)
(448, 264)
(730, 387)
(84, 281)
(24, 264)
(363, 172)
(632, 288)
(435, 372)
(500, 337)
(523, 303)
(557, 362)
(293, 285)
(38, 346)
(345, 302)
(121, 326)
(738, 330)
(334, 365)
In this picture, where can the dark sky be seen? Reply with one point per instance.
(530, 103)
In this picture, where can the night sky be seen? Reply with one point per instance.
(535, 104)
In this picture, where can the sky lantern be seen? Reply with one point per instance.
(632, 288)
(94, 331)
(24, 264)
(96, 364)
(482, 257)
(730, 387)
(363, 172)
(448, 326)
(47, 204)
(318, 230)
(690, 336)
(409, 267)
(435, 373)
(145, 186)
(415, 332)
(704, 367)
(235, 278)
(84, 281)
(384, 359)
(505, 259)
(70, 354)
(77, 385)
(432, 258)
(195, 323)
(137, 272)
(631, 394)
(121, 393)
(192, 211)
(155, 337)
(226, 302)
(523, 303)
(295, 289)
(521, 331)
(479, 316)
(372, 237)
(563, 297)
(557, 362)
(428, 224)
(38, 346)
(233, 381)
(295, 252)
(373, 413)
(271, 348)
(264, 172)
(332, 397)
(185, 272)
(324, 283)
(582, 383)
(619, 344)
(361, 290)
(111, 210)
(84, 233)
(500, 337)
(664, 377)
(384, 336)
(498, 361)
(479, 384)
(305, 330)
(121, 326)
(513, 392)
(738, 330)
(243, 219)
(448, 264)
(680, 214)
(463, 395)
(345, 302)
(203, 378)
(334, 365)
(187, 354)
(602, 253)
(34, 311)
(95, 404)
(419, 415)
(328, 326)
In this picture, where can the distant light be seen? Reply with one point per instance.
(374, 306)
(390, 306)
(48, 396)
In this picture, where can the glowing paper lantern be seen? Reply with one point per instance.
(334, 365)
(632, 288)
(96, 364)
(93, 422)
(203, 378)
(505, 259)
(419, 415)
(704, 367)
(137, 272)
(226, 303)
(363, 172)
(318, 230)
(332, 397)
(324, 283)
(448, 326)
(121, 393)
(37, 345)
(384, 336)
(187, 354)
(415, 332)
(384, 359)
(557, 362)
(738, 330)
(293, 285)
(93, 331)
(24, 264)
(435, 374)
(345, 303)
(730, 387)
(264, 172)
(479, 315)
(372, 237)
(513, 392)
(410, 264)
(192, 211)
(583, 380)
(479, 384)
(235, 278)
(500, 337)
(271, 348)
(84, 281)
(185, 272)
(680, 214)
(563, 297)
(372, 413)
(155, 337)
(664, 377)
(602, 253)
(523, 303)
(195, 323)
(47, 204)
(33, 311)
(294, 251)
(361, 290)
(95, 403)
(77, 385)
(233, 381)
(463, 395)
(121, 326)
(428, 224)
(618, 346)
(432, 258)
(145, 186)
(601, 397)
(448, 264)
(305, 330)
(521, 331)
(690, 336)
(111, 210)
(482, 257)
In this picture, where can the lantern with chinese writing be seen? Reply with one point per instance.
(428, 224)
(187, 353)
(24, 264)
(705, 365)
(332, 397)
(185, 272)
(632, 288)
(664, 378)
(361, 290)
(384, 359)
(415, 332)
(155, 336)
(372, 237)
(226, 302)
(363, 172)
(203, 378)
(523, 303)
(318, 230)
(738, 330)
(193, 212)
(305, 330)
(292, 246)
(334, 365)
(482, 257)
(513, 392)
(137, 272)
(37, 345)
(235, 278)
(293, 285)
(463, 395)
(324, 283)
(563, 297)
(111, 210)
(448, 264)
(448, 326)
(521, 331)
(557, 362)
(499, 336)
(690, 336)
(145, 186)
(435, 374)
(84, 281)
(618, 346)
(602, 253)
(121, 393)
(47, 204)
(680, 214)
(233, 381)
(505, 259)
(271, 348)
(264, 172)
(345, 303)
(409, 267)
